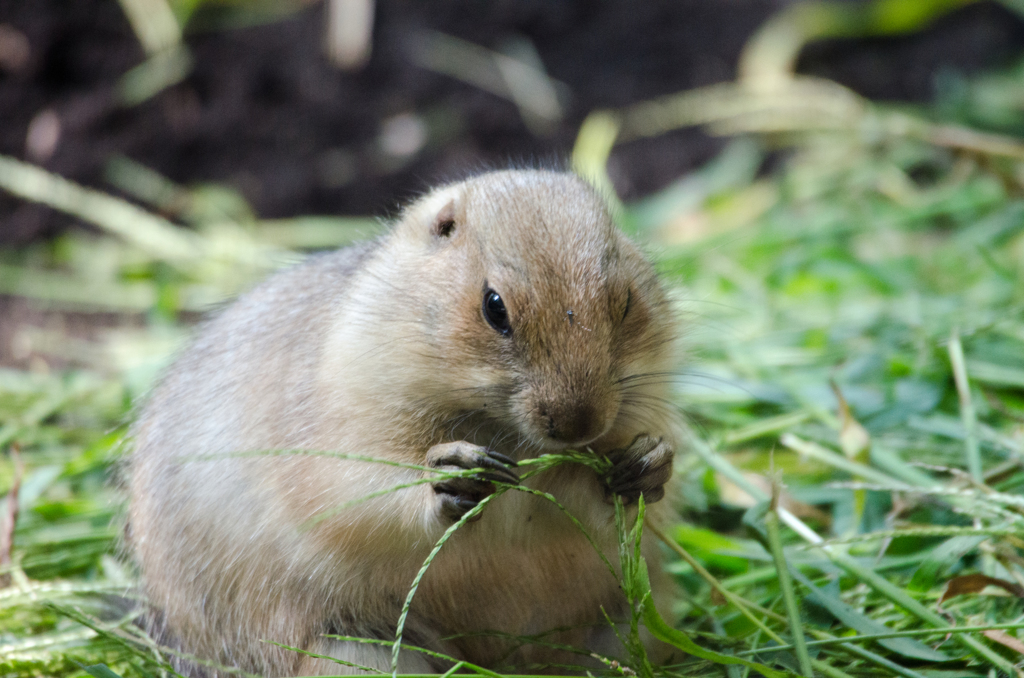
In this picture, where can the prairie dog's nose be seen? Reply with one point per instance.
(571, 423)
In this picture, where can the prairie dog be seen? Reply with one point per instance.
(500, 318)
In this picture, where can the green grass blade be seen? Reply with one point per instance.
(967, 412)
(771, 520)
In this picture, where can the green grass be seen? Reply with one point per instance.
(854, 381)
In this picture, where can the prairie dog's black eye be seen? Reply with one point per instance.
(629, 300)
(495, 312)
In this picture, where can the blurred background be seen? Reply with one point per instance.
(833, 191)
(245, 93)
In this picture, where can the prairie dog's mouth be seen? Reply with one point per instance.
(551, 445)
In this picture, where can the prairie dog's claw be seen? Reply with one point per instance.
(456, 496)
(642, 468)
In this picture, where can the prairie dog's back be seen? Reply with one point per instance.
(253, 367)
(246, 384)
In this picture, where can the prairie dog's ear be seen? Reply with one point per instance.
(443, 225)
(435, 217)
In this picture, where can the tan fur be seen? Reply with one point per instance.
(382, 350)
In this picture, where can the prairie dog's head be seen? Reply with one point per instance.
(545, 318)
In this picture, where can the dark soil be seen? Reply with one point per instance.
(263, 111)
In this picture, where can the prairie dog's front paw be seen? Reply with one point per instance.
(642, 468)
(456, 496)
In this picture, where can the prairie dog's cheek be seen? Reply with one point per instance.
(479, 377)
